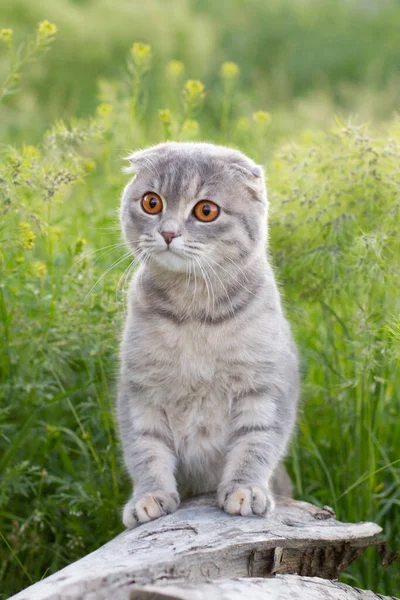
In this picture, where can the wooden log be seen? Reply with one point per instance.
(200, 543)
(280, 587)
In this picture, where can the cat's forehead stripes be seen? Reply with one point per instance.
(196, 170)
(184, 178)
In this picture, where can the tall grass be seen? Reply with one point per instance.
(334, 240)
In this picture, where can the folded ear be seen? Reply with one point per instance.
(135, 161)
(252, 177)
(142, 158)
(249, 169)
(256, 170)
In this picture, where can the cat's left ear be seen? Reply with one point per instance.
(250, 169)
(252, 176)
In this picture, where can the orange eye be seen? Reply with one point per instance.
(206, 211)
(152, 203)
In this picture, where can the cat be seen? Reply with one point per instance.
(209, 371)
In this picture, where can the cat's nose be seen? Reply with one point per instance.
(168, 236)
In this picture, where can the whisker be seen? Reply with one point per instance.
(220, 280)
(234, 276)
(114, 264)
(124, 277)
(110, 248)
(206, 283)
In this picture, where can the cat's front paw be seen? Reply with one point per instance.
(246, 500)
(149, 507)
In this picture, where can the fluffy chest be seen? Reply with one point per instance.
(192, 359)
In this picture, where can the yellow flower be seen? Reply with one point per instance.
(230, 70)
(175, 68)
(261, 117)
(27, 237)
(190, 128)
(39, 269)
(141, 53)
(104, 110)
(80, 244)
(193, 90)
(165, 116)
(46, 29)
(6, 36)
(30, 151)
(89, 165)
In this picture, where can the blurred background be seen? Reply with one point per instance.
(303, 60)
(310, 89)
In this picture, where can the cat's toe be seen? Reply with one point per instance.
(149, 507)
(246, 500)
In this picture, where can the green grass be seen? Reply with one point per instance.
(334, 194)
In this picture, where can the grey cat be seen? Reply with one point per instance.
(209, 372)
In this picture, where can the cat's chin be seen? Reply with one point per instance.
(171, 261)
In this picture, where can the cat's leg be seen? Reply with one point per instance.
(149, 454)
(258, 435)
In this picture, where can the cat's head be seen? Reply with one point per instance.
(192, 203)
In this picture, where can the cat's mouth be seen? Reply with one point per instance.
(172, 259)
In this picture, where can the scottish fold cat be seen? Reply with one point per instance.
(209, 371)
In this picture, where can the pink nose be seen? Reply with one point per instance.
(168, 236)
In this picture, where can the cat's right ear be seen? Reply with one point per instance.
(144, 158)
(136, 161)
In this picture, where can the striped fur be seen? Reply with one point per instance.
(209, 373)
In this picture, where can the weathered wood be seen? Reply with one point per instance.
(200, 543)
(281, 587)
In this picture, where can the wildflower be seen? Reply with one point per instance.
(46, 29)
(104, 110)
(89, 165)
(261, 117)
(230, 70)
(39, 269)
(175, 68)
(43, 473)
(79, 246)
(193, 90)
(191, 128)
(165, 116)
(141, 53)
(30, 151)
(27, 237)
(6, 36)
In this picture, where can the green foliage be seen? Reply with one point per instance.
(63, 272)
(300, 53)
(335, 213)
